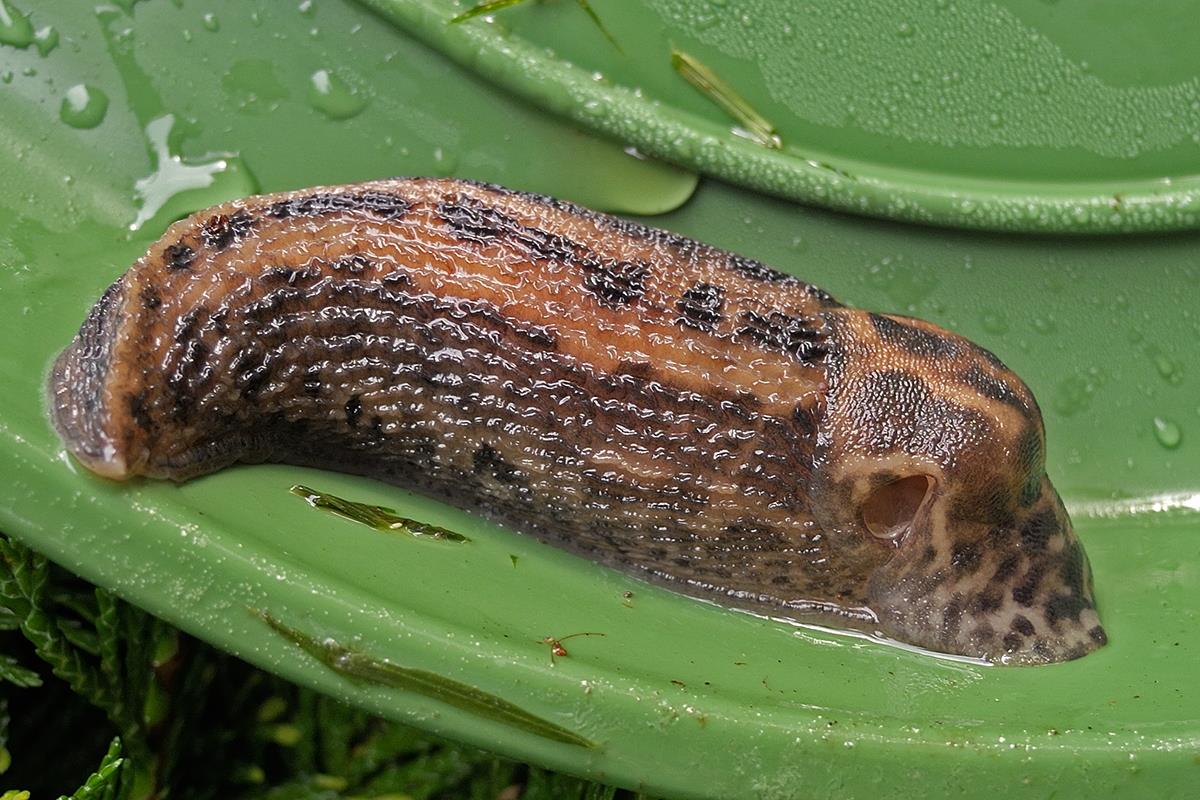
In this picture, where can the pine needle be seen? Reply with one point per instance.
(484, 8)
(721, 93)
(381, 518)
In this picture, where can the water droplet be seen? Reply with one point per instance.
(1168, 368)
(83, 106)
(444, 162)
(179, 186)
(1167, 432)
(334, 97)
(906, 30)
(1045, 325)
(995, 120)
(1075, 393)
(306, 7)
(253, 86)
(46, 40)
(15, 28)
(211, 23)
(6, 76)
(995, 322)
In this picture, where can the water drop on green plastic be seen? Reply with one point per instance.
(178, 186)
(83, 106)
(46, 40)
(333, 97)
(211, 23)
(1167, 432)
(1167, 368)
(444, 163)
(1044, 325)
(15, 28)
(995, 322)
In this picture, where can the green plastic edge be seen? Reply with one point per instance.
(658, 130)
(1027, 764)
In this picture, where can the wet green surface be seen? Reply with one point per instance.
(678, 696)
(954, 113)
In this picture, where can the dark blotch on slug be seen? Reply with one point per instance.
(964, 557)
(803, 337)
(179, 256)
(1006, 569)
(488, 461)
(312, 382)
(952, 616)
(987, 601)
(538, 335)
(378, 204)
(757, 271)
(1072, 571)
(640, 370)
(614, 282)
(1065, 606)
(185, 328)
(1098, 635)
(1038, 529)
(221, 231)
(291, 276)
(355, 264)
(476, 222)
(1023, 593)
(138, 411)
(151, 298)
(807, 418)
(990, 501)
(993, 388)
(913, 339)
(354, 410)
(1022, 625)
(700, 306)
(986, 355)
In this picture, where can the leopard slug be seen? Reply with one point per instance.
(675, 411)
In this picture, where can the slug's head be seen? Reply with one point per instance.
(79, 388)
(940, 465)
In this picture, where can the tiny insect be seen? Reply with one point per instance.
(556, 644)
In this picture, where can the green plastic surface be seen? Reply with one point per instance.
(679, 697)
(1020, 116)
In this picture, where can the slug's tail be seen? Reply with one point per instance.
(78, 389)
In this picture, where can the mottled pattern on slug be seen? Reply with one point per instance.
(681, 413)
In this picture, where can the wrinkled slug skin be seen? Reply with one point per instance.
(672, 410)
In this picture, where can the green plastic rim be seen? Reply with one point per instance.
(663, 130)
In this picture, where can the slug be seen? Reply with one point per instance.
(675, 411)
